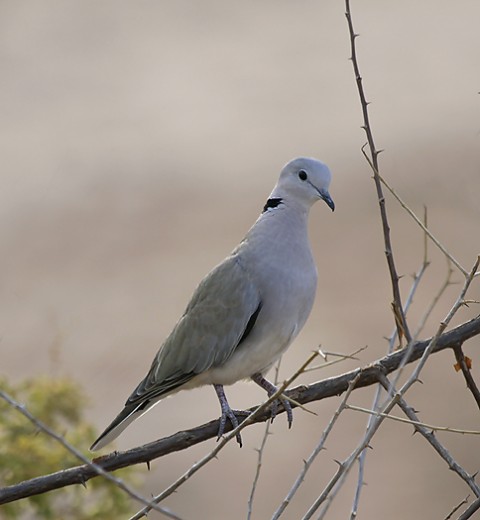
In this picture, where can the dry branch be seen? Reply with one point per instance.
(330, 387)
(467, 374)
(397, 306)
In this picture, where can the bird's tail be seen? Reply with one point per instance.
(121, 421)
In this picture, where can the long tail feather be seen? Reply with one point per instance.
(116, 427)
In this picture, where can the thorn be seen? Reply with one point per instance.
(370, 447)
(339, 463)
(148, 465)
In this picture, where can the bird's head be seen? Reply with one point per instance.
(305, 180)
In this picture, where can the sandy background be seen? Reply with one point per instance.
(139, 141)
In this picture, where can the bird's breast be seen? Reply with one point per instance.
(287, 295)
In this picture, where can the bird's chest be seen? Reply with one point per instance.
(289, 299)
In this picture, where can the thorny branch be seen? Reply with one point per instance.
(346, 465)
(399, 315)
(376, 400)
(182, 440)
(95, 467)
(473, 508)
(457, 507)
(318, 448)
(233, 434)
(430, 437)
(467, 374)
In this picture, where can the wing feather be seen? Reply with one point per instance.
(221, 313)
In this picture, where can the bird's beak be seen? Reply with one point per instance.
(325, 196)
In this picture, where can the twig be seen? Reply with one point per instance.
(318, 448)
(457, 507)
(432, 237)
(339, 359)
(207, 458)
(376, 400)
(467, 374)
(326, 388)
(98, 469)
(413, 423)
(443, 325)
(428, 434)
(260, 452)
(258, 468)
(427, 231)
(345, 466)
(473, 508)
(447, 282)
(397, 300)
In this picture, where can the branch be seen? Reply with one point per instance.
(468, 513)
(97, 469)
(464, 366)
(225, 439)
(182, 440)
(376, 400)
(318, 448)
(457, 507)
(429, 435)
(400, 320)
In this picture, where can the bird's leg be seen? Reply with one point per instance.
(227, 413)
(271, 389)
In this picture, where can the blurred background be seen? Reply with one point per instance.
(139, 142)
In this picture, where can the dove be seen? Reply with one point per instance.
(247, 311)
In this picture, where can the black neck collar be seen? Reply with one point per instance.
(272, 203)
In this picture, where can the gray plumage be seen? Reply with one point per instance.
(247, 310)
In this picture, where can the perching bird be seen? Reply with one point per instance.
(247, 310)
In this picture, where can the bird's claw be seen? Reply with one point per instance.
(271, 389)
(231, 415)
(228, 413)
(287, 407)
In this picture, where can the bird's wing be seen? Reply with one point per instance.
(221, 313)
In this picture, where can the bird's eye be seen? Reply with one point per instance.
(302, 175)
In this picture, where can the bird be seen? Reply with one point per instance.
(247, 311)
